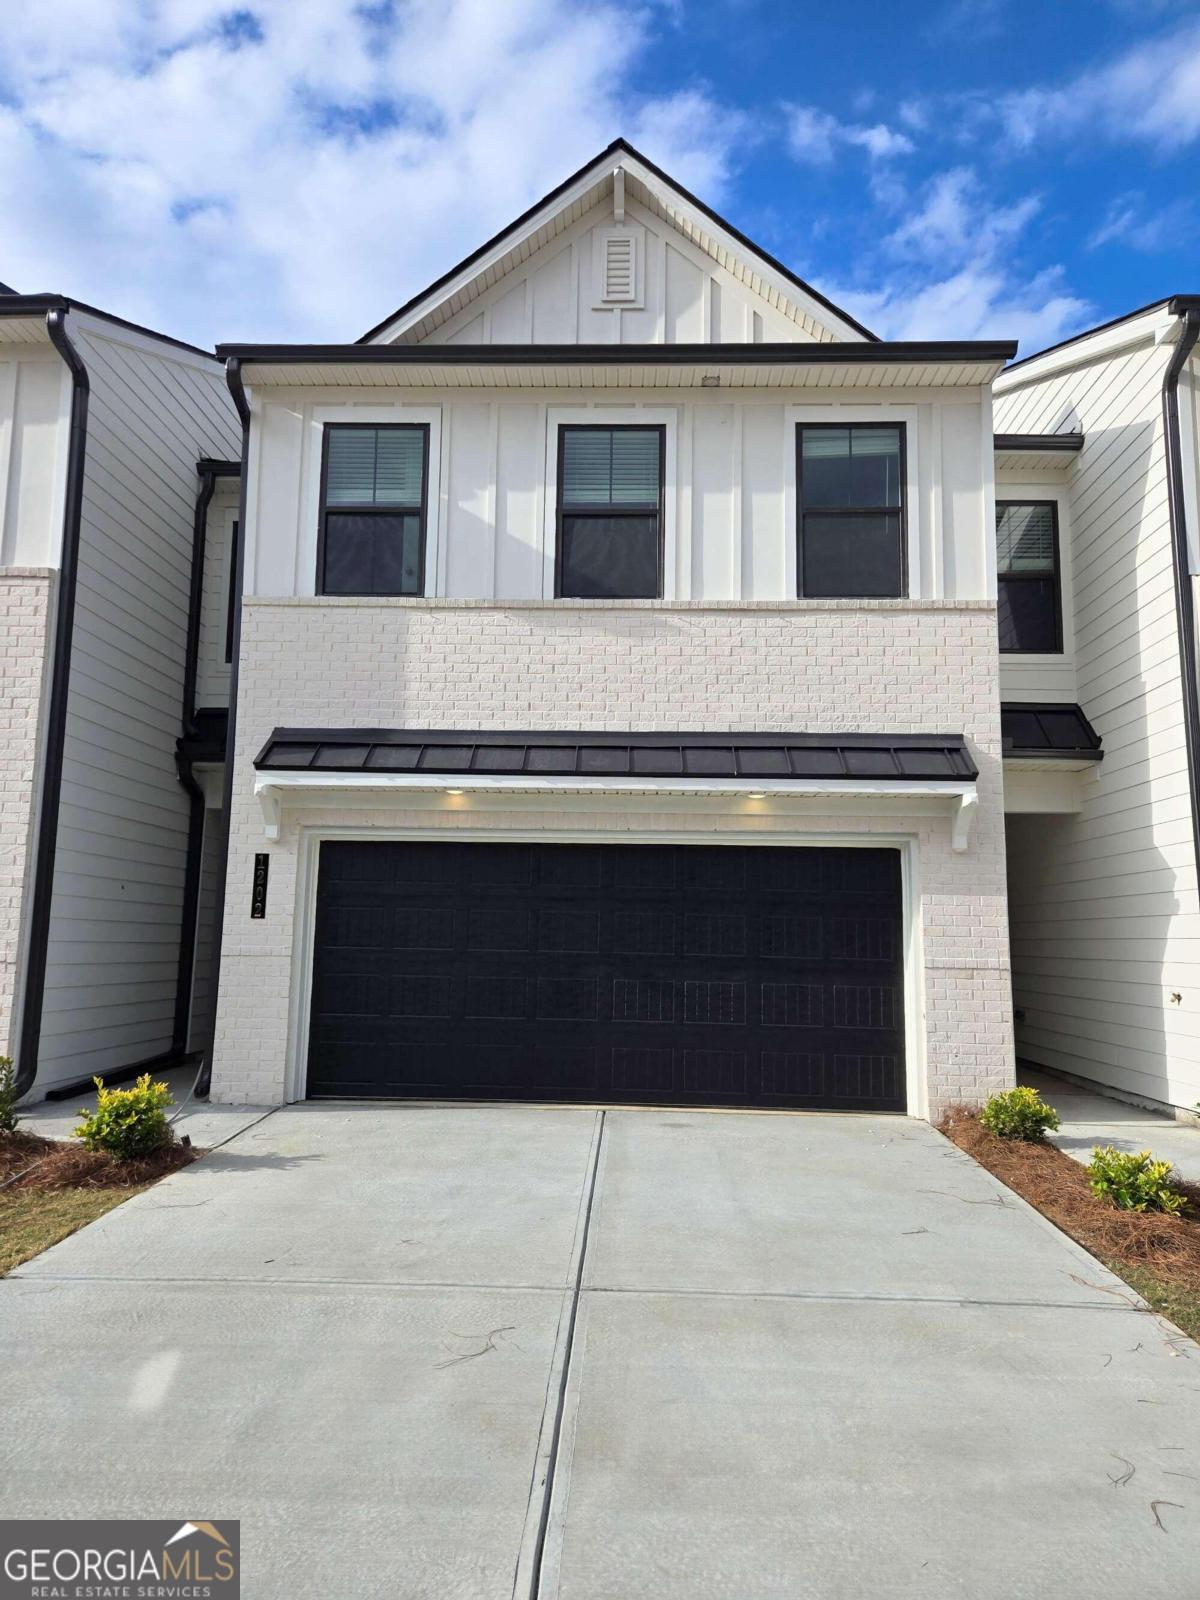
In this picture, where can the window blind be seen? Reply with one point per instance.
(375, 466)
(610, 467)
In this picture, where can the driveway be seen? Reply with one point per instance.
(459, 1352)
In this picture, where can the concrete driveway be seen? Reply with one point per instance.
(449, 1352)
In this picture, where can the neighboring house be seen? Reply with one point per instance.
(106, 867)
(616, 686)
(1099, 552)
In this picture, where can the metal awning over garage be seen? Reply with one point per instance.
(855, 767)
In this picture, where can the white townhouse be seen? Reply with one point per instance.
(107, 867)
(616, 688)
(1099, 535)
(642, 684)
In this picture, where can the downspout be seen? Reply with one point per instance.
(191, 884)
(237, 389)
(29, 1041)
(1185, 612)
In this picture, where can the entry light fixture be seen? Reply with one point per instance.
(756, 794)
(454, 791)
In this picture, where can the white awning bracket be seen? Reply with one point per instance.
(964, 816)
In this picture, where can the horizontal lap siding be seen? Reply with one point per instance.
(1104, 913)
(122, 843)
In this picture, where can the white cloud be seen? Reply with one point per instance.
(298, 168)
(815, 137)
(1128, 221)
(955, 221)
(949, 272)
(1150, 93)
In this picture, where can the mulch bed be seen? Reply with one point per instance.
(1168, 1248)
(49, 1164)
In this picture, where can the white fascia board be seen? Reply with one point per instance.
(820, 314)
(1154, 326)
(274, 789)
(668, 197)
(510, 242)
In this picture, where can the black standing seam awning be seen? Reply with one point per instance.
(1049, 732)
(778, 757)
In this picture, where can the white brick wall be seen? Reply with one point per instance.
(26, 598)
(909, 666)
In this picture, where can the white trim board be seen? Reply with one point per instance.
(273, 790)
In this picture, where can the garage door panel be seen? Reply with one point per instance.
(721, 975)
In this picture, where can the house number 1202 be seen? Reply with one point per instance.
(258, 891)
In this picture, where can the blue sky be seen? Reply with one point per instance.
(293, 169)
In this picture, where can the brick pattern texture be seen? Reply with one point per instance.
(26, 620)
(911, 666)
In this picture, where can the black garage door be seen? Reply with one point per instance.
(686, 975)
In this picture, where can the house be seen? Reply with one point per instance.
(1096, 487)
(616, 700)
(617, 676)
(107, 847)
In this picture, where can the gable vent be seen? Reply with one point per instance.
(619, 267)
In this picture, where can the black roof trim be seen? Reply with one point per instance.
(757, 757)
(211, 466)
(561, 189)
(1038, 443)
(799, 353)
(1176, 304)
(1052, 732)
(206, 739)
(31, 305)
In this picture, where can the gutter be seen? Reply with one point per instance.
(185, 972)
(1188, 309)
(237, 390)
(34, 986)
(798, 353)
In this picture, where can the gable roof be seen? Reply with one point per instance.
(557, 210)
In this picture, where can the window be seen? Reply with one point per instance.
(610, 513)
(1030, 596)
(231, 601)
(850, 498)
(373, 509)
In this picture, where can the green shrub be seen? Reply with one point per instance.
(8, 1096)
(1019, 1114)
(1134, 1182)
(127, 1122)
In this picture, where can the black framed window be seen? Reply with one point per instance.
(231, 598)
(610, 534)
(1029, 585)
(850, 510)
(374, 493)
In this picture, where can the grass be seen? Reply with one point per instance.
(32, 1220)
(1177, 1303)
(1156, 1255)
(52, 1189)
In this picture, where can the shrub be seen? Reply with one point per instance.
(1134, 1182)
(127, 1122)
(8, 1096)
(1019, 1114)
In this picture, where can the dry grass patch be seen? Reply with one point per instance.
(1157, 1255)
(51, 1188)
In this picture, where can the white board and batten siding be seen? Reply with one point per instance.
(1103, 903)
(212, 661)
(729, 498)
(574, 291)
(122, 842)
(35, 418)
